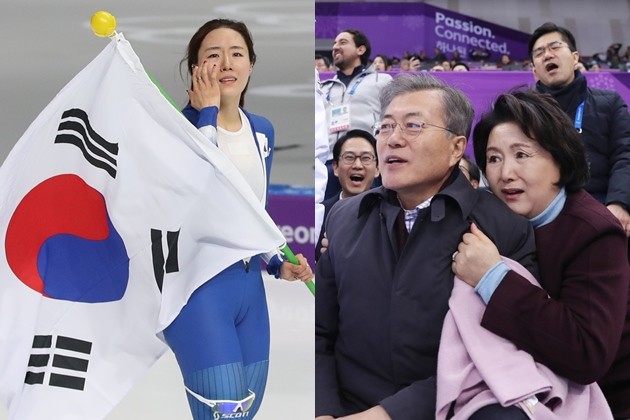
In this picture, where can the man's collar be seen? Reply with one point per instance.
(568, 96)
(578, 81)
(347, 78)
(456, 187)
(459, 189)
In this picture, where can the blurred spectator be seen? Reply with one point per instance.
(455, 58)
(437, 67)
(615, 63)
(599, 57)
(404, 65)
(470, 171)
(508, 65)
(414, 63)
(479, 54)
(581, 67)
(322, 63)
(381, 63)
(438, 56)
(422, 55)
(446, 65)
(394, 63)
(612, 53)
(460, 66)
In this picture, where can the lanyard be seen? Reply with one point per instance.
(352, 89)
(579, 114)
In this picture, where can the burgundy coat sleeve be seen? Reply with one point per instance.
(574, 326)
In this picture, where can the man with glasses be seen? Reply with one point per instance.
(355, 165)
(386, 278)
(600, 116)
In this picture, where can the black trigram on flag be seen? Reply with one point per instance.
(63, 365)
(171, 265)
(75, 129)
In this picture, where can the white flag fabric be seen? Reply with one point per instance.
(113, 210)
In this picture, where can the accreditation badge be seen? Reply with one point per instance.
(339, 118)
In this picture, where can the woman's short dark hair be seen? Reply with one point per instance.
(540, 118)
(197, 39)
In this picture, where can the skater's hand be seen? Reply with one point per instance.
(205, 86)
(302, 271)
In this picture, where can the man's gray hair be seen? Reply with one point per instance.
(458, 111)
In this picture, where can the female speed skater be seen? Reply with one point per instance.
(221, 336)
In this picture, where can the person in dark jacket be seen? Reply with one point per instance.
(385, 279)
(356, 166)
(600, 116)
(578, 324)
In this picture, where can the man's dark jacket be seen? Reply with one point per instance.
(328, 203)
(380, 306)
(606, 137)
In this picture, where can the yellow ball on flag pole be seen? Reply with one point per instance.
(103, 24)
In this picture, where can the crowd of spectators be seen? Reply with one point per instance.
(388, 255)
(613, 59)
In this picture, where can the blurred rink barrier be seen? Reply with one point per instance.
(293, 210)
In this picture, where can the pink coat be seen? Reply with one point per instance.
(477, 368)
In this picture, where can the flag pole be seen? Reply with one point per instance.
(293, 260)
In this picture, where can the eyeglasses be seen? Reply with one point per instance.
(366, 158)
(410, 130)
(552, 46)
(220, 407)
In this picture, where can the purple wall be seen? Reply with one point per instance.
(393, 28)
(293, 210)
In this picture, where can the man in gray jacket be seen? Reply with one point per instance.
(352, 95)
(385, 279)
